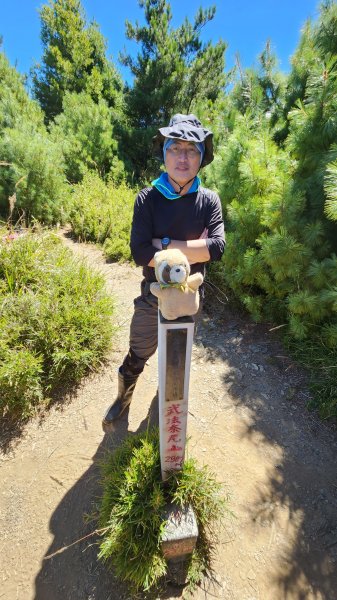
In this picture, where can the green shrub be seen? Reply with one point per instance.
(84, 131)
(55, 319)
(33, 165)
(102, 213)
(36, 175)
(131, 511)
(278, 262)
(20, 380)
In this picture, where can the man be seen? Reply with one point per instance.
(176, 212)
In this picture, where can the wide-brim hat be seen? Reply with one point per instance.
(188, 129)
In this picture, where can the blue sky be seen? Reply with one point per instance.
(244, 24)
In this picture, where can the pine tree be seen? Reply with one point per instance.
(260, 90)
(74, 59)
(15, 103)
(303, 62)
(281, 220)
(172, 73)
(313, 121)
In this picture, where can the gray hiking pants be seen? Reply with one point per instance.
(144, 324)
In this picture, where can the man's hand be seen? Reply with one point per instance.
(196, 250)
(156, 242)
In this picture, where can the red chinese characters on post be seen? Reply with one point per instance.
(174, 409)
(174, 428)
(175, 416)
(177, 460)
(174, 438)
(173, 421)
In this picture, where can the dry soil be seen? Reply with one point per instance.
(248, 421)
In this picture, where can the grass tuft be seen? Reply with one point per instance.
(132, 507)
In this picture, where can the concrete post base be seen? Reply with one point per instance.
(178, 541)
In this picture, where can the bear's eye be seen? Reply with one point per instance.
(167, 269)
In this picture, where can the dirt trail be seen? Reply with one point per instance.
(247, 421)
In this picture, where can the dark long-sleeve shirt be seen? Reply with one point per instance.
(183, 219)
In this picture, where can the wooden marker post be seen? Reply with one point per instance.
(175, 339)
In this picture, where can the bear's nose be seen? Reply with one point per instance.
(178, 270)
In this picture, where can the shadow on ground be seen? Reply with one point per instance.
(265, 386)
(271, 396)
(12, 427)
(73, 572)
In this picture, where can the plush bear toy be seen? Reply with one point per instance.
(176, 289)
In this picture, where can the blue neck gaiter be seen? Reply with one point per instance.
(164, 187)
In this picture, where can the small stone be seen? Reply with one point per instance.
(255, 367)
(251, 574)
(238, 374)
(291, 393)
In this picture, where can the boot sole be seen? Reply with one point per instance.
(109, 425)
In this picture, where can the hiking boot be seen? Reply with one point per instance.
(126, 386)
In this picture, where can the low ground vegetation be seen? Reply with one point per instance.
(132, 508)
(55, 320)
(67, 155)
(102, 213)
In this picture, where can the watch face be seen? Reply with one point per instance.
(165, 242)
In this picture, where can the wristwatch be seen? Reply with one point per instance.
(165, 242)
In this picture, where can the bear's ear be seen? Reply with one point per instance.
(157, 258)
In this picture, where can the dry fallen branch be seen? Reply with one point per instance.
(97, 531)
